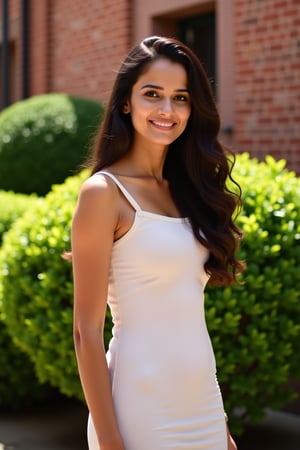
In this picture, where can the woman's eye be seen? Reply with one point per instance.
(152, 94)
(181, 98)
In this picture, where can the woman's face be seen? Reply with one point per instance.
(160, 103)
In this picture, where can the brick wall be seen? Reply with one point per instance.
(267, 78)
(39, 81)
(76, 46)
(87, 42)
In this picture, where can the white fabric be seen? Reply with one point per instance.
(160, 358)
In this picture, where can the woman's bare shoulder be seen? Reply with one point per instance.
(98, 201)
(99, 183)
(98, 188)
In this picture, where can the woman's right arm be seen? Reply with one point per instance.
(95, 220)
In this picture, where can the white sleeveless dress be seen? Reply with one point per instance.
(160, 358)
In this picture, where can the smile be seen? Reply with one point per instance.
(164, 125)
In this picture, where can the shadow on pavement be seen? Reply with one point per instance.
(278, 431)
(59, 426)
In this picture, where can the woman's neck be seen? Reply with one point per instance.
(143, 162)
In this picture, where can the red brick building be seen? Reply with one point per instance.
(250, 48)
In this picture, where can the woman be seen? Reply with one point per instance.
(152, 225)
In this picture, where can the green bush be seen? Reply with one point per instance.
(254, 326)
(18, 383)
(39, 306)
(12, 206)
(44, 139)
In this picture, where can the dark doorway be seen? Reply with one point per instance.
(199, 33)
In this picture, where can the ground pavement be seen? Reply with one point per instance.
(61, 426)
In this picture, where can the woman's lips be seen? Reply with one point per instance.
(163, 125)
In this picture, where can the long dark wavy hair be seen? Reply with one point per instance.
(197, 166)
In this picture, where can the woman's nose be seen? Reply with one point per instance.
(166, 106)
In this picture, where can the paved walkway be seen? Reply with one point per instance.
(62, 427)
(278, 431)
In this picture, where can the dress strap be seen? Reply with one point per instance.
(124, 191)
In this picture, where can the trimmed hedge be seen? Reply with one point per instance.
(254, 327)
(39, 307)
(18, 384)
(44, 139)
(13, 206)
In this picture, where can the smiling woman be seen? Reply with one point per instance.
(152, 226)
(159, 104)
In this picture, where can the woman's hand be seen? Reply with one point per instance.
(231, 445)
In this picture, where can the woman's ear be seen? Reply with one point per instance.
(126, 108)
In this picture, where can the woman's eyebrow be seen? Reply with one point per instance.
(154, 86)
